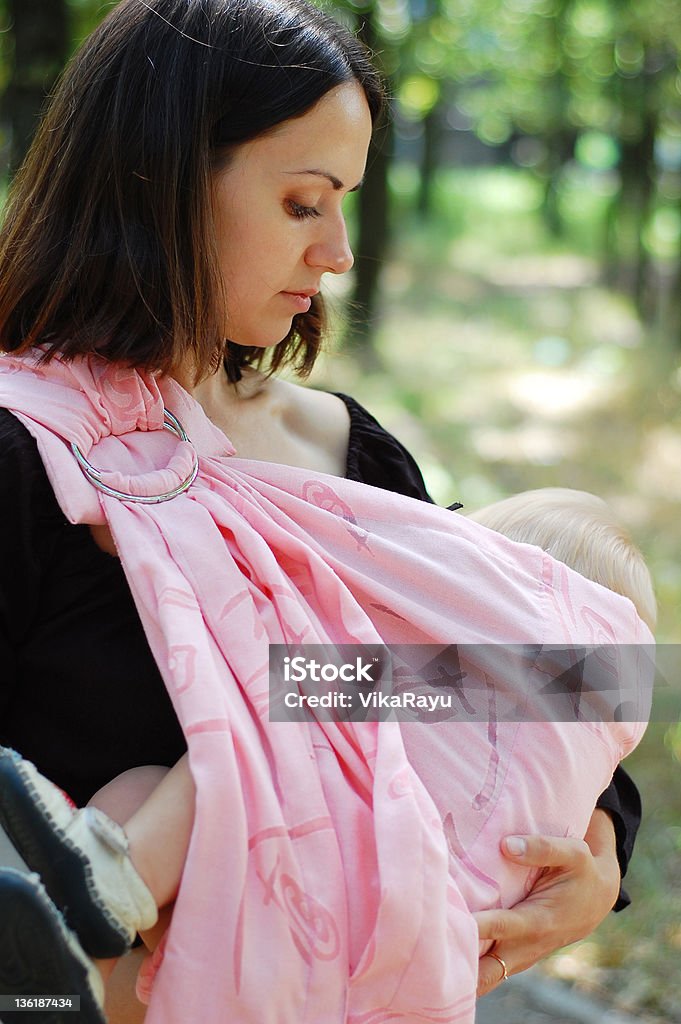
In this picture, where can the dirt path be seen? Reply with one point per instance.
(533, 998)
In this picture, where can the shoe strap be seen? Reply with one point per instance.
(106, 830)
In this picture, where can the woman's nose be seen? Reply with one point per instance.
(332, 253)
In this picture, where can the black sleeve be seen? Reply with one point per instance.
(80, 693)
(377, 458)
(622, 801)
(24, 545)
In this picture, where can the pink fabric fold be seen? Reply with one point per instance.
(333, 867)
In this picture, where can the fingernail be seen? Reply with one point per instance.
(516, 846)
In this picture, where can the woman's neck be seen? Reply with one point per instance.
(274, 420)
(220, 397)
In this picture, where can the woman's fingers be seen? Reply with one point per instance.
(506, 926)
(491, 973)
(574, 891)
(520, 937)
(545, 851)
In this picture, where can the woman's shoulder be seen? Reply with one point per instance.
(370, 454)
(317, 418)
(343, 433)
(313, 412)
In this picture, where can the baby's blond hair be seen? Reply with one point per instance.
(580, 530)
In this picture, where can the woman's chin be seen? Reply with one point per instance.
(261, 339)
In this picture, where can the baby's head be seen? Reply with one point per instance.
(581, 530)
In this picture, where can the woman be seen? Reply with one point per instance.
(185, 187)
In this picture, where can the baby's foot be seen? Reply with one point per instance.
(40, 956)
(80, 855)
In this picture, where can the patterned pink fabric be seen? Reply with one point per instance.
(327, 880)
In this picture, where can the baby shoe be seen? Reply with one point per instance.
(40, 956)
(80, 855)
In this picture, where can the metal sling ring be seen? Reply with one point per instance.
(170, 423)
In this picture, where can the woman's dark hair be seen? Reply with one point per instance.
(108, 243)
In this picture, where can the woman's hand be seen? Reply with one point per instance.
(574, 893)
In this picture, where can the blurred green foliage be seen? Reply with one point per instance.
(565, 88)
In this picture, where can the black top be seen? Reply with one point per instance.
(85, 713)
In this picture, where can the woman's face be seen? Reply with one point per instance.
(278, 214)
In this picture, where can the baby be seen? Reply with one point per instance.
(580, 530)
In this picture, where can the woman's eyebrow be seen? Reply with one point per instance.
(335, 182)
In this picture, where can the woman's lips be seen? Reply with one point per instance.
(301, 300)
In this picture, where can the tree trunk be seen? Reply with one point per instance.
(430, 158)
(374, 224)
(41, 37)
(560, 146)
(372, 244)
(634, 201)
(560, 137)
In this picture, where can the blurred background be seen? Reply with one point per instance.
(515, 311)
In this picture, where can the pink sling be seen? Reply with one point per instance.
(333, 867)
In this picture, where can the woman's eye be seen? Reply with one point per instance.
(300, 211)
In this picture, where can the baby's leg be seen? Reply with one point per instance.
(159, 832)
(123, 799)
(125, 794)
(110, 882)
(155, 805)
(132, 800)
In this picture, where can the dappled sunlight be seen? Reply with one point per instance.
(472, 404)
(442, 347)
(526, 273)
(674, 937)
(462, 287)
(501, 191)
(532, 443)
(557, 394)
(554, 312)
(636, 510)
(608, 318)
(659, 471)
(575, 961)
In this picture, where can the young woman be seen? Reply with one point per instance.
(186, 187)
